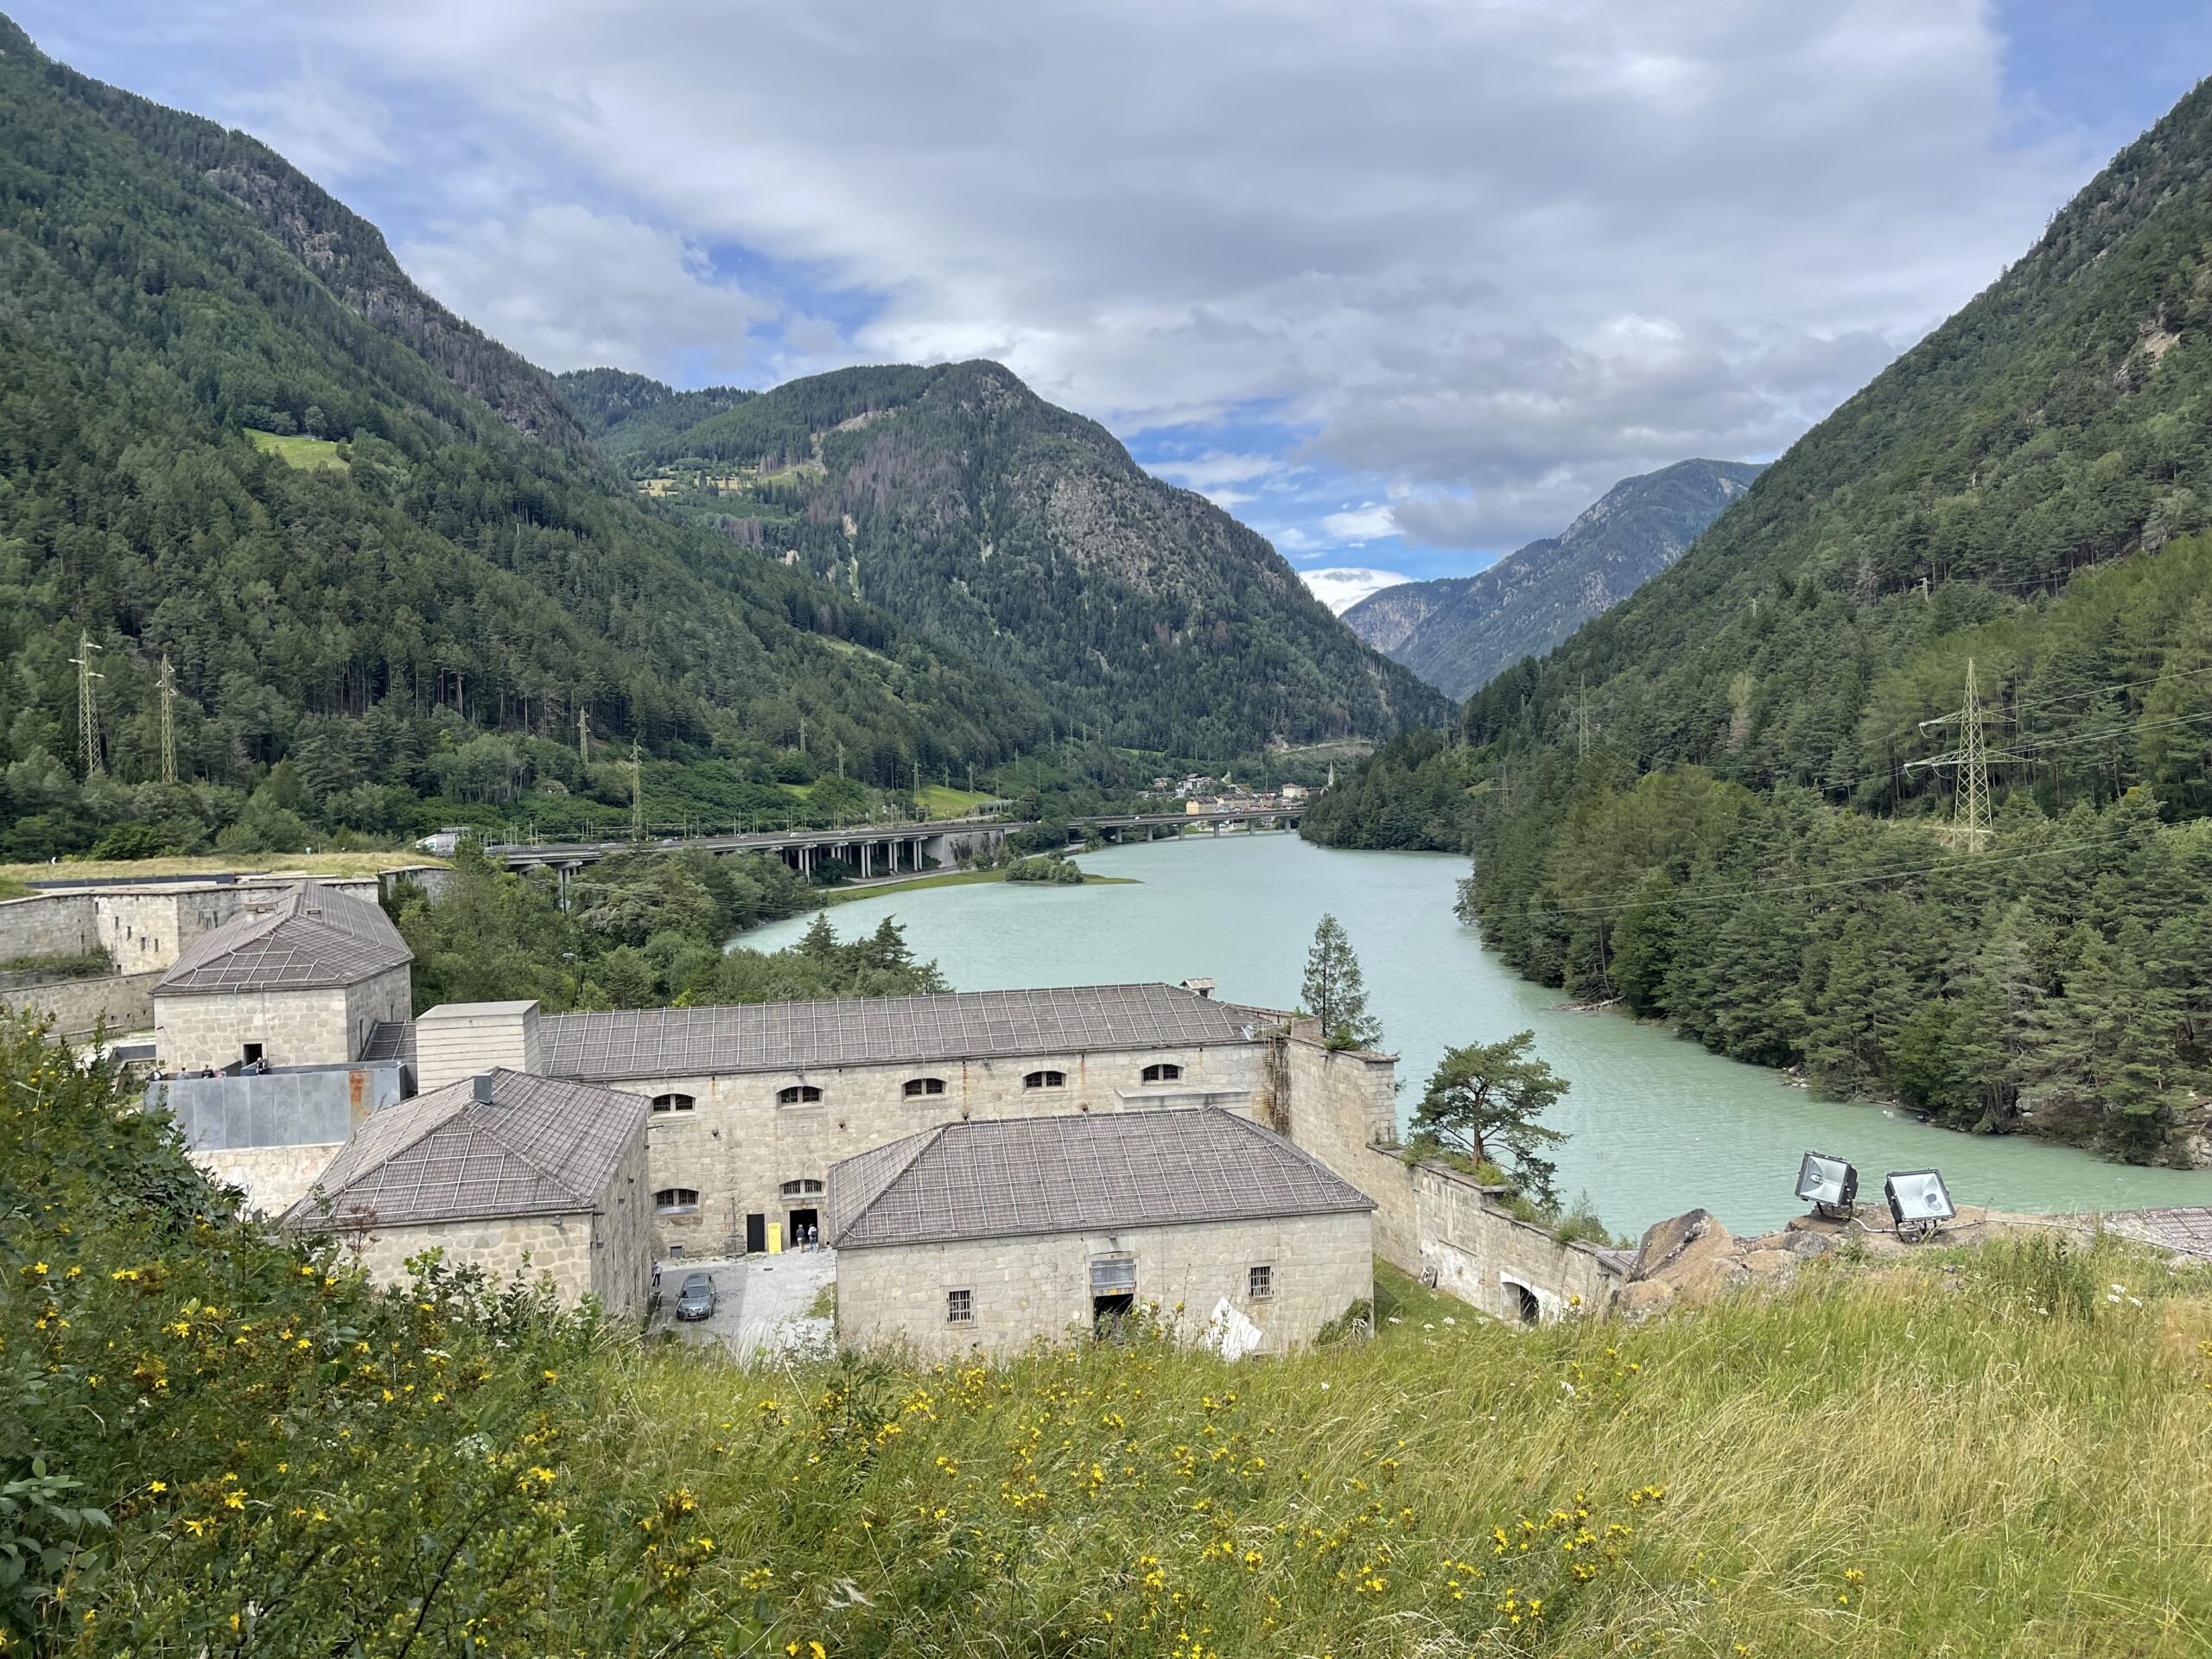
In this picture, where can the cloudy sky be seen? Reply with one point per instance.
(1403, 283)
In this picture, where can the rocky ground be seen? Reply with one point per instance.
(1693, 1258)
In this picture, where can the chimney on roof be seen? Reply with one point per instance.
(461, 1039)
(480, 1087)
(1203, 986)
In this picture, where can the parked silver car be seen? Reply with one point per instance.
(696, 1300)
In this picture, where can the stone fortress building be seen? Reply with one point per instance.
(300, 978)
(991, 1234)
(753, 1103)
(497, 1171)
(747, 1108)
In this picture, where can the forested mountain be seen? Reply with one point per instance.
(1715, 802)
(1024, 536)
(1459, 631)
(377, 547)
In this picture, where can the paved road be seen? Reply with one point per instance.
(763, 1302)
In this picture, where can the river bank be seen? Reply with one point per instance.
(1658, 1124)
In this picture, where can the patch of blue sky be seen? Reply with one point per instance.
(2099, 70)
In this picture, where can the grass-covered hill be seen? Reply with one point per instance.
(1457, 633)
(232, 433)
(214, 1441)
(1714, 802)
(1022, 536)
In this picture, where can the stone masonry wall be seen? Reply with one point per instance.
(386, 998)
(622, 1256)
(76, 1006)
(1027, 1290)
(56, 924)
(1471, 1249)
(738, 1146)
(1342, 1108)
(273, 1179)
(293, 1027)
(558, 1246)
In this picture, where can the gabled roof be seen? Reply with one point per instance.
(307, 938)
(1007, 1177)
(539, 1146)
(873, 1031)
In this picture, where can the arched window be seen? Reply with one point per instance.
(1045, 1080)
(676, 1201)
(799, 1094)
(673, 1102)
(800, 1189)
(916, 1087)
(1163, 1072)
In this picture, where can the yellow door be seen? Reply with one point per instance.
(775, 1238)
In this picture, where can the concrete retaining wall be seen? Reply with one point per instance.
(59, 925)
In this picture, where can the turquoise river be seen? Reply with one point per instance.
(1657, 1124)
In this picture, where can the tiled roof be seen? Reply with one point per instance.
(880, 1031)
(540, 1145)
(308, 938)
(1009, 1177)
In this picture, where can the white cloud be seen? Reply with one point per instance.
(572, 289)
(1372, 523)
(1497, 257)
(329, 130)
(1345, 586)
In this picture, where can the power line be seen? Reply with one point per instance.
(1731, 895)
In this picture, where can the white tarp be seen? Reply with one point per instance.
(1229, 1333)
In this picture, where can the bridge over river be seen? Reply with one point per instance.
(894, 848)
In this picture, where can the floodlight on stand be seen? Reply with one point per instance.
(1919, 1202)
(1829, 1184)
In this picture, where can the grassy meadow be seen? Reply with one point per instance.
(308, 455)
(1996, 1452)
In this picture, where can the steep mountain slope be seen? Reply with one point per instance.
(457, 565)
(1730, 801)
(1457, 633)
(957, 499)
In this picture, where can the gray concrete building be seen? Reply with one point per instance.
(300, 976)
(506, 1172)
(990, 1235)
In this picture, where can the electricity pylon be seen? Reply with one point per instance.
(1974, 769)
(168, 722)
(636, 791)
(1971, 759)
(88, 708)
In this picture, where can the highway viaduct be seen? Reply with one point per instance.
(890, 849)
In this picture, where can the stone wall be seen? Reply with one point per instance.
(273, 1179)
(386, 998)
(76, 1006)
(48, 924)
(622, 1254)
(1475, 1251)
(319, 1027)
(1341, 1106)
(558, 1247)
(737, 1147)
(1025, 1290)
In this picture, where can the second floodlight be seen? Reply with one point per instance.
(1919, 1202)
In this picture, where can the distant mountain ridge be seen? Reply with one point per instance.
(1460, 631)
(1021, 535)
